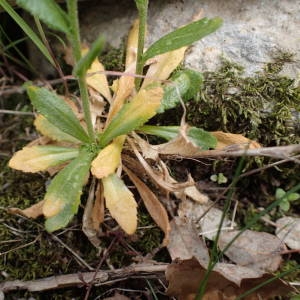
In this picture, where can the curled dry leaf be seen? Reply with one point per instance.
(120, 203)
(33, 211)
(288, 231)
(236, 141)
(255, 250)
(185, 242)
(132, 44)
(185, 276)
(153, 205)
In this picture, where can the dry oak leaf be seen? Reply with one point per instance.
(185, 276)
(255, 250)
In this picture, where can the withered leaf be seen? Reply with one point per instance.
(33, 211)
(288, 231)
(255, 250)
(153, 205)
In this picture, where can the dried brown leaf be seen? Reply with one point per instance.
(153, 205)
(255, 250)
(288, 231)
(185, 242)
(185, 277)
(33, 211)
(234, 141)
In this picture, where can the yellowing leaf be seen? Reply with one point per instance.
(120, 203)
(108, 158)
(40, 158)
(97, 81)
(236, 141)
(164, 65)
(132, 43)
(48, 129)
(52, 206)
(133, 114)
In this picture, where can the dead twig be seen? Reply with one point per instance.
(101, 277)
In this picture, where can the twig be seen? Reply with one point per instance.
(15, 112)
(63, 281)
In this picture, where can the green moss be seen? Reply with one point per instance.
(263, 107)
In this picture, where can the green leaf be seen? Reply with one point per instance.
(49, 12)
(280, 193)
(56, 111)
(185, 85)
(63, 195)
(198, 136)
(284, 205)
(293, 196)
(85, 62)
(183, 36)
(29, 32)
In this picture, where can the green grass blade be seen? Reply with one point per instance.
(28, 31)
(85, 62)
(49, 12)
(56, 111)
(183, 36)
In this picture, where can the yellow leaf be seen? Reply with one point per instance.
(98, 81)
(132, 44)
(52, 206)
(164, 65)
(108, 158)
(236, 141)
(120, 203)
(40, 158)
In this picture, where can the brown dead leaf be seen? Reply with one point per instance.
(117, 296)
(185, 242)
(234, 141)
(33, 211)
(288, 231)
(207, 218)
(255, 250)
(98, 209)
(185, 276)
(153, 205)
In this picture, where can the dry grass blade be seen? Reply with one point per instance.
(153, 205)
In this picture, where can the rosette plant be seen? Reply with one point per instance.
(89, 134)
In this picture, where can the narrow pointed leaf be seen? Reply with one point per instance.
(183, 36)
(49, 130)
(198, 136)
(40, 158)
(56, 111)
(120, 203)
(86, 61)
(184, 86)
(108, 158)
(134, 114)
(63, 195)
(49, 12)
(28, 31)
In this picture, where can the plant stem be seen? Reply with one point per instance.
(142, 7)
(76, 49)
